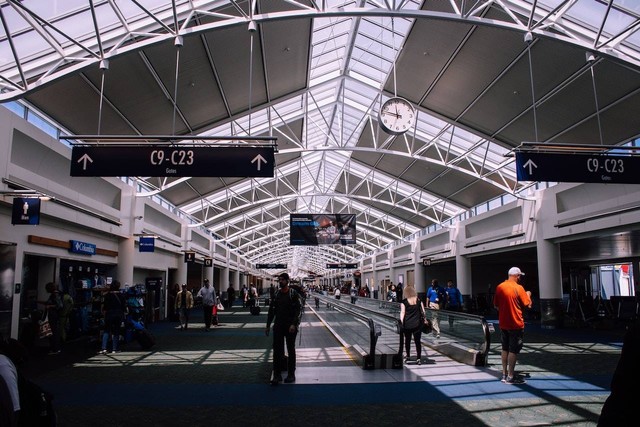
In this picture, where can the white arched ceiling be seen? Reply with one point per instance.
(313, 75)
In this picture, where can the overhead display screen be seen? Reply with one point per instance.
(322, 229)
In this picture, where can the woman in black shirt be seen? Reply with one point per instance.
(411, 315)
(113, 308)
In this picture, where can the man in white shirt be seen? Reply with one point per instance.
(208, 295)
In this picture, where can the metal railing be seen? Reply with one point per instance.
(462, 337)
(369, 335)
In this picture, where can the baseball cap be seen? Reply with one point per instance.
(515, 271)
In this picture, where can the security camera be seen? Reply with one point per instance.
(253, 26)
(528, 37)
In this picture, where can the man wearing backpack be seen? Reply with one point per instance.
(286, 308)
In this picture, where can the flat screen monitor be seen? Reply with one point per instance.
(322, 229)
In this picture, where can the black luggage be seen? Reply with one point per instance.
(255, 310)
(146, 339)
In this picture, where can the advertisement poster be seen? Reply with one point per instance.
(322, 229)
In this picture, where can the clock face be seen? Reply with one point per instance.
(396, 116)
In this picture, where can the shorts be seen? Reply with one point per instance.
(512, 340)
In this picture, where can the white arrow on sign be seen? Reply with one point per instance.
(529, 164)
(84, 159)
(259, 159)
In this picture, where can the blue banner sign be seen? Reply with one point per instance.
(78, 247)
(147, 244)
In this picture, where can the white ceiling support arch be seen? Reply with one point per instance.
(140, 25)
(462, 64)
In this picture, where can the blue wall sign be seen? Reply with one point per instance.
(26, 211)
(78, 247)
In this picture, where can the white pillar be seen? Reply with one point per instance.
(126, 252)
(418, 276)
(209, 274)
(463, 278)
(181, 273)
(224, 280)
(236, 280)
(550, 282)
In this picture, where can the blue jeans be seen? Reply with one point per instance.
(112, 323)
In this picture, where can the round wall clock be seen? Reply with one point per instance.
(396, 116)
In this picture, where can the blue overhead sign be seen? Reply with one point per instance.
(593, 168)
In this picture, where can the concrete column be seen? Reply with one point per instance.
(209, 274)
(236, 280)
(181, 273)
(463, 278)
(550, 277)
(418, 276)
(126, 252)
(224, 280)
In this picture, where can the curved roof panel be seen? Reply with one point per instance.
(484, 77)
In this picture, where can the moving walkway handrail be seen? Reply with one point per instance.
(374, 332)
(483, 341)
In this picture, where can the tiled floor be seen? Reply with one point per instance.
(221, 378)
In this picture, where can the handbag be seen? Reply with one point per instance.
(427, 327)
(44, 327)
(220, 307)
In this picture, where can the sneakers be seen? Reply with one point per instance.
(290, 379)
(515, 380)
(102, 352)
(504, 378)
(419, 361)
(405, 360)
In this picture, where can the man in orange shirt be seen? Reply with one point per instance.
(509, 299)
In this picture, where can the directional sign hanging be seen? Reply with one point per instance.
(172, 161)
(594, 168)
(341, 265)
(271, 266)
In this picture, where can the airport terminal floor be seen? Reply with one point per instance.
(220, 378)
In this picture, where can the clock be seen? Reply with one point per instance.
(396, 116)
